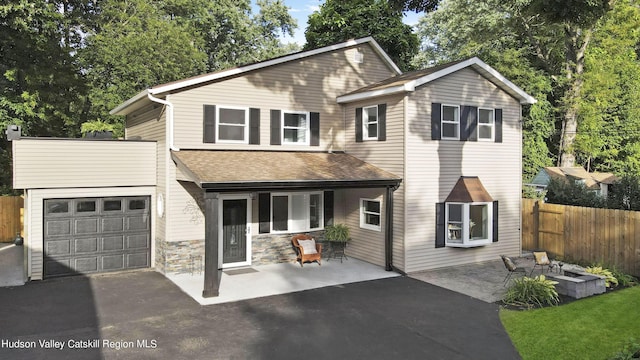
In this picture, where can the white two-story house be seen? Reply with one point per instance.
(424, 168)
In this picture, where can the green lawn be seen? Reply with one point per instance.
(592, 328)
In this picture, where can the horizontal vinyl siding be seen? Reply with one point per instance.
(150, 124)
(35, 232)
(433, 167)
(310, 84)
(184, 209)
(62, 163)
(387, 155)
(366, 244)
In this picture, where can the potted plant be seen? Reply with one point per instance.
(337, 233)
(97, 129)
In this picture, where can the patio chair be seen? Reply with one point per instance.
(307, 249)
(541, 259)
(512, 268)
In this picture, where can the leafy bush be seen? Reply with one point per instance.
(624, 280)
(630, 351)
(95, 125)
(567, 192)
(338, 232)
(531, 292)
(609, 281)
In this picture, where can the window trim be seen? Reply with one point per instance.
(307, 206)
(307, 134)
(366, 122)
(492, 126)
(442, 122)
(465, 241)
(245, 125)
(363, 214)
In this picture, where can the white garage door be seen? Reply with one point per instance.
(93, 235)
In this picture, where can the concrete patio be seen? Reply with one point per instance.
(483, 281)
(266, 280)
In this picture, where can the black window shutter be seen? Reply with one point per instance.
(440, 225)
(328, 208)
(495, 221)
(382, 122)
(275, 127)
(314, 127)
(436, 124)
(498, 129)
(359, 124)
(469, 123)
(264, 212)
(209, 124)
(254, 126)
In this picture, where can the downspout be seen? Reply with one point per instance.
(169, 119)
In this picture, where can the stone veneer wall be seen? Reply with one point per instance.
(180, 256)
(275, 249)
(188, 256)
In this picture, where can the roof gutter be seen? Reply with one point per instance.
(169, 118)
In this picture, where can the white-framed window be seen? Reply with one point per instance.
(296, 212)
(469, 224)
(370, 123)
(486, 121)
(232, 124)
(370, 214)
(450, 122)
(295, 127)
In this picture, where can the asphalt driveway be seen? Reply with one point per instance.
(142, 315)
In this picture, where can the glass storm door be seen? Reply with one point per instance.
(235, 235)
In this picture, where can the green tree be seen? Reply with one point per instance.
(338, 21)
(608, 137)
(570, 192)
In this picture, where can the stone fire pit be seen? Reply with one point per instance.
(578, 284)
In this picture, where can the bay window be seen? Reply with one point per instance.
(468, 224)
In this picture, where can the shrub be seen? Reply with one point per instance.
(531, 292)
(630, 351)
(609, 281)
(624, 280)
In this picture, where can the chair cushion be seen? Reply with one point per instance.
(308, 246)
(508, 263)
(541, 258)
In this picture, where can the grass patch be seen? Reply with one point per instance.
(592, 328)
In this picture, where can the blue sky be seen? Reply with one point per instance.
(301, 9)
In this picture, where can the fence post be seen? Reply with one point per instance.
(536, 224)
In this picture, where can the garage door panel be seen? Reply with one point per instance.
(58, 267)
(138, 260)
(111, 243)
(86, 226)
(89, 235)
(58, 247)
(140, 241)
(140, 222)
(58, 227)
(113, 224)
(86, 245)
(113, 262)
(86, 264)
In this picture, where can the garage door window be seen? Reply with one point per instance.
(112, 205)
(86, 206)
(57, 207)
(137, 204)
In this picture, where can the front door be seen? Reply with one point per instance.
(235, 234)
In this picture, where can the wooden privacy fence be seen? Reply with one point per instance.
(11, 217)
(606, 236)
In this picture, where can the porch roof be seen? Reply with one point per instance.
(233, 170)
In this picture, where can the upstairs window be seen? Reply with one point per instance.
(370, 123)
(233, 125)
(450, 122)
(295, 128)
(486, 120)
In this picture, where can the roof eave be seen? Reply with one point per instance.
(297, 184)
(371, 94)
(123, 108)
